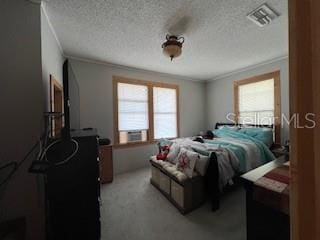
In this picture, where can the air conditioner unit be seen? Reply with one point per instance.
(134, 136)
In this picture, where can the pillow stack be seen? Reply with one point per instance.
(187, 161)
(173, 153)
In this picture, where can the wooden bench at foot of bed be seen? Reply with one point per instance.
(185, 195)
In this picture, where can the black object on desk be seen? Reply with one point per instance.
(264, 222)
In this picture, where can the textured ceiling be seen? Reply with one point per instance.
(219, 37)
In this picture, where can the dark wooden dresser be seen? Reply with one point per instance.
(73, 193)
(106, 163)
(266, 218)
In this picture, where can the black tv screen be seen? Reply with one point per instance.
(71, 99)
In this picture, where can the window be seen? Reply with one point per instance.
(132, 111)
(257, 101)
(165, 112)
(144, 111)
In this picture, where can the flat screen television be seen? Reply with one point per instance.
(60, 150)
(71, 100)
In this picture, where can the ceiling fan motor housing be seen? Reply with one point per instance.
(173, 46)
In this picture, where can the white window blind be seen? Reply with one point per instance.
(256, 102)
(165, 112)
(132, 107)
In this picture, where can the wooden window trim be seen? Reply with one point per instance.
(277, 98)
(55, 84)
(150, 132)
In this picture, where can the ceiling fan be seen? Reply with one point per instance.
(180, 24)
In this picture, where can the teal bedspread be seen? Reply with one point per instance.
(238, 150)
(247, 152)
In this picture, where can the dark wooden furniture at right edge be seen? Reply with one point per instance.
(264, 222)
(106, 163)
(304, 75)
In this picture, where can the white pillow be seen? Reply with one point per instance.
(202, 164)
(186, 161)
(173, 153)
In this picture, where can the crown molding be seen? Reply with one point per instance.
(43, 9)
(179, 77)
(138, 70)
(252, 67)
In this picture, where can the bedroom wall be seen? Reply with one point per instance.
(96, 106)
(52, 58)
(21, 105)
(220, 92)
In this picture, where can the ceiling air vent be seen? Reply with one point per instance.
(263, 15)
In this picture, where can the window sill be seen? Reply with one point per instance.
(133, 144)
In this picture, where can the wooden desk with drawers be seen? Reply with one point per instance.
(264, 222)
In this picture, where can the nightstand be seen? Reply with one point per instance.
(279, 151)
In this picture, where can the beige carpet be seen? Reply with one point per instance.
(132, 209)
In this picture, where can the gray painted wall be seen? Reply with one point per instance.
(74, 96)
(21, 107)
(52, 59)
(220, 93)
(29, 54)
(96, 106)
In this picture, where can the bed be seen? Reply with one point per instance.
(234, 150)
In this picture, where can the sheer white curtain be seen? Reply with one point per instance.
(165, 112)
(132, 107)
(256, 102)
